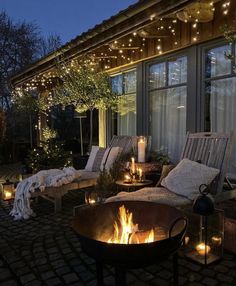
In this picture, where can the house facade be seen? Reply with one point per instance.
(172, 62)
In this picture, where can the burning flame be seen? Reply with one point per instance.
(126, 232)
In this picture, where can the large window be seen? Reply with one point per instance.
(125, 85)
(220, 94)
(167, 105)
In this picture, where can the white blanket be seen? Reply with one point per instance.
(153, 194)
(48, 178)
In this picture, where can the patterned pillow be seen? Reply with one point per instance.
(98, 159)
(109, 157)
(187, 176)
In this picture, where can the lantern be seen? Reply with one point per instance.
(204, 240)
(92, 197)
(7, 191)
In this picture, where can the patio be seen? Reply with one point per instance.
(45, 251)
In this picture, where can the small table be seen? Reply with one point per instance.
(133, 186)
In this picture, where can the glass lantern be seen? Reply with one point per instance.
(205, 236)
(7, 191)
(92, 197)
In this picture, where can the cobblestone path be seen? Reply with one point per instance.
(45, 251)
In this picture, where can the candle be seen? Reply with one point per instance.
(132, 169)
(7, 195)
(216, 240)
(140, 174)
(141, 150)
(203, 248)
(127, 178)
(92, 201)
(186, 240)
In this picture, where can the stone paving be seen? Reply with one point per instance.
(45, 251)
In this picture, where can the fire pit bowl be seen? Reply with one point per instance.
(95, 225)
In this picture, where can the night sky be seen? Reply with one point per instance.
(66, 18)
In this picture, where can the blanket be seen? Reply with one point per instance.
(48, 178)
(152, 194)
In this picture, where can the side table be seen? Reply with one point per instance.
(133, 186)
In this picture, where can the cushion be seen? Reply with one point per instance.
(187, 176)
(98, 159)
(91, 158)
(109, 157)
(164, 172)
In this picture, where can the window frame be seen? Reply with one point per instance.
(191, 85)
(203, 49)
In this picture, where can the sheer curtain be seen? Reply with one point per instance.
(167, 101)
(125, 85)
(168, 126)
(223, 112)
(126, 118)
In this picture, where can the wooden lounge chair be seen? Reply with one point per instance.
(87, 179)
(210, 149)
(213, 150)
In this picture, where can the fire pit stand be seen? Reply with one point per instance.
(89, 222)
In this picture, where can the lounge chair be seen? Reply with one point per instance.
(88, 178)
(203, 150)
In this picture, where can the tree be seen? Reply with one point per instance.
(27, 103)
(49, 44)
(85, 88)
(20, 44)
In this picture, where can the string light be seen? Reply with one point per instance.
(125, 48)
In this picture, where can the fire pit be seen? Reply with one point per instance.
(156, 232)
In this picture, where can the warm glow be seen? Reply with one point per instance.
(92, 201)
(127, 178)
(126, 232)
(216, 240)
(203, 248)
(7, 195)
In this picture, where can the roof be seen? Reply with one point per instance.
(137, 14)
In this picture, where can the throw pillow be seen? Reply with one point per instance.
(109, 157)
(98, 159)
(91, 158)
(187, 176)
(164, 172)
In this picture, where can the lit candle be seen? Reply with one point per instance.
(203, 248)
(216, 240)
(132, 166)
(127, 178)
(141, 150)
(140, 173)
(92, 201)
(186, 240)
(7, 195)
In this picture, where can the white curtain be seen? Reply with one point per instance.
(168, 121)
(126, 118)
(223, 112)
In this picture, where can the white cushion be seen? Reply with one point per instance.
(187, 176)
(109, 157)
(91, 158)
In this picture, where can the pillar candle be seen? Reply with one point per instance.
(132, 165)
(141, 151)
